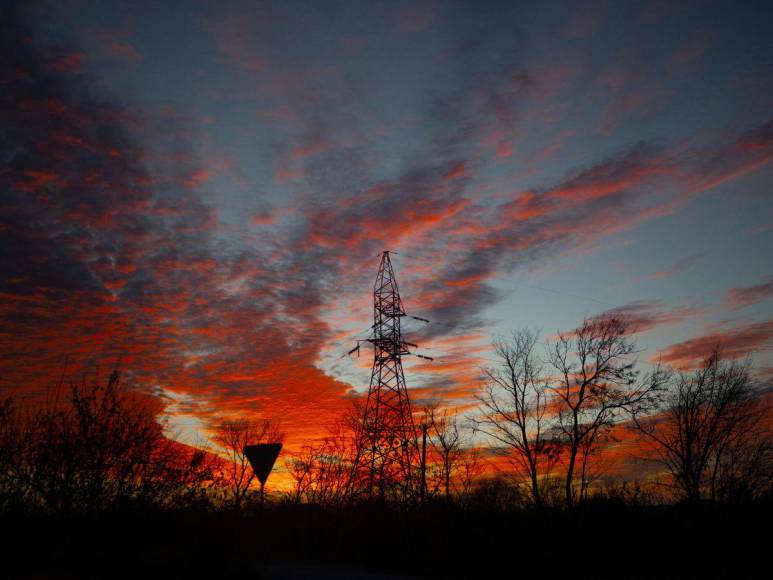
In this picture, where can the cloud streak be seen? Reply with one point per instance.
(744, 296)
(646, 315)
(678, 267)
(737, 342)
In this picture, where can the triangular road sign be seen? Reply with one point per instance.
(262, 458)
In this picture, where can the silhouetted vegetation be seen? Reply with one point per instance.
(490, 537)
(89, 479)
(560, 408)
(514, 406)
(453, 462)
(97, 447)
(710, 431)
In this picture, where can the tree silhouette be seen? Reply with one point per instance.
(596, 383)
(709, 432)
(515, 409)
(99, 446)
(456, 461)
(324, 472)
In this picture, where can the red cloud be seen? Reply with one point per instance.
(109, 264)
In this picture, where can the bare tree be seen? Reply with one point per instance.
(117, 438)
(96, 445)
(233, 436)
(591, 453)
(709, 432)
(744, 470)
(596, 383)
(301, 467)
(182, 476)
(470, 469)
(324, 472)
(99, 446)
(447, 441)
(514, 405)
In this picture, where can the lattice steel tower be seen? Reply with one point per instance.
(389, 451)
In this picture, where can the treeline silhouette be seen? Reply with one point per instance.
(550, 418)
(92, 447)
(91, 486)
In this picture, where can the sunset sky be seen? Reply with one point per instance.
(198, 192)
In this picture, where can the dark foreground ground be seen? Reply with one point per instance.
(599, 540)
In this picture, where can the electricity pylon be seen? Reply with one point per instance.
(388, 451)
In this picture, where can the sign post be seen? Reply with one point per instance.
(262, 458)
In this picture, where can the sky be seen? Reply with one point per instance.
(198, 192)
